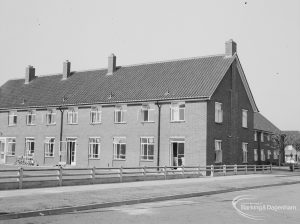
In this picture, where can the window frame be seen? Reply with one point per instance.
(117, 156)
(29, 140)
(92, 155)
(97, 110)
(119, 109)
(9, 143)
(177, 108)
(147, 144)
(15, 116)
(218, 113)
(72, 113)
(218, 150)
(32, 115)
(150, 114)
(52, 114)
(245, 152)
(262, 137)
(47, 147)
(255, 136)
(262, 155)
(255, 156)
(269, 153)
(244, 118)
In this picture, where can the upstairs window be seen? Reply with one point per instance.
(218, 151)
(262, 137)
(255, 155)
(262, 155)
(268, 137)
(95, 115)
(245, 152)
(255, 136)
(119, 144)
(94, 148)
(50, 117)
(120, 114)
(72, 116)
(12, 118)
(31, 117)
(49, 147)
(244, 118)
(177, 112)
(147, 114)
(218, 112)
(11, 146)
(147, 148)
(30, 147)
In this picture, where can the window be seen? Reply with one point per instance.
(269, 154)
(262, 137)
(72, 116)
(218, 113)
(94, 148)
(268, 137)
(245, 152)
(218, 151)
(49, 147)
(29, 145)
(147, 113)
(119, 144)
(50, 117)
(119, 114)
(147, 148)
(95, 115)
(30, 118)
(262, 155)
(177, 112)
(255, 136)
(255, 155)
(11, 146)
(275, 154)
(12, 118)
(244, 118)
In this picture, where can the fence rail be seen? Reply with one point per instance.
(60, 175)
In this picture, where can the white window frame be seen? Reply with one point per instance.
(268, 137)
(244, 118)
(95, 115)
(262, 155)
(93, 142)
(245, 152)
(50, 117)
(255, 155)
(11, 141)
(31, 117)
(72, 116)
(149, 113)
(175, 110)
(119, 141)
(149, 142)
(49, 146)
(262, 137)
(218, 112)
(29, 152)
(218, 150)
(275, 154)
(269, 153)
(255, 136)
(119, 111)
(12, 118)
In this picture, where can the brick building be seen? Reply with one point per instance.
(195, 111)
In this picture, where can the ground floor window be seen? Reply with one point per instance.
(49, 147)
(255, 155)
(245, 152)
(275, 154)
(147, 148)
(94, 148)
(119, 144)
(269, 154)
(29, 146)
(218, 151)
(262, 155)
(11, 146)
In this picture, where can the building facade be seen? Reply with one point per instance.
(196, 111)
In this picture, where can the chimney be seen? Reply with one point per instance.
(230, 48)
(66, 69)
(30, 74)
(111, 64)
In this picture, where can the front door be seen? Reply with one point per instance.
(177, 153)
(2, 151)
(71, 151)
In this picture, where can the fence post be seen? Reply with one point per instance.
(182, 170)
(212, 170)
(165, 172)
(235, 169)
(93, 175)
(121, 174)
(224, 170)
(21, 174)
(246, 169)
(255, 168)
(60, 175)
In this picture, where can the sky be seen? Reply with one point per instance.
(45, 33)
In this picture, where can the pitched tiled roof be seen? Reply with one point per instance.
(186, 78)
(263, 124)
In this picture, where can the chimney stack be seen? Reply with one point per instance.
(30, 74)
(230, 48)
(66, 69)
(111, 64)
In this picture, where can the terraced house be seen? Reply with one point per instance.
(195, 111)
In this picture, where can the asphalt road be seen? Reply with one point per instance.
(206, 209)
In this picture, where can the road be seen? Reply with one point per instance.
(206, 209)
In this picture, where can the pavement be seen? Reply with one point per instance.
(58, 200)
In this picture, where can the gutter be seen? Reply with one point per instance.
(61, 132)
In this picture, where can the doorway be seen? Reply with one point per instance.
(2, 150)
(71, 151)
(177, 152)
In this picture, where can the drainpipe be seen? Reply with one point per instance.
(61, 131)
(158, 133)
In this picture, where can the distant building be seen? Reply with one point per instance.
(195, 111)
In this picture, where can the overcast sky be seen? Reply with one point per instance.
(45, 33)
